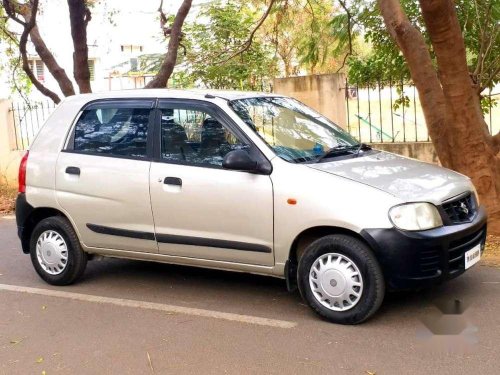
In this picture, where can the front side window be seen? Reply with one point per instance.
(119, 130)
(196, 137)
(295, 132)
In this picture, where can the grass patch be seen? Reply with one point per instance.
(7, 198)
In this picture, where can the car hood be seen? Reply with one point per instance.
(407, 179)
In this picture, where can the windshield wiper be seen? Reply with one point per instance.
(334, 151)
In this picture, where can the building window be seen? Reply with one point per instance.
(92, 69)
(38, 69)
(130, 48)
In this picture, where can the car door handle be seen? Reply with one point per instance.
(172, 181)
(73, 170)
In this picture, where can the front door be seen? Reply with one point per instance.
(102, 178)
(200, 209)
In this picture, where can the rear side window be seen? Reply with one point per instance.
(119, 129)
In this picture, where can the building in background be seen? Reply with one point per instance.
(122, 37)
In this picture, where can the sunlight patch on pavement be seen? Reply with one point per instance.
(249, 319)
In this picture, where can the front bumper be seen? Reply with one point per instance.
(418, 259)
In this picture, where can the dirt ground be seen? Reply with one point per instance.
(492, 251)
(7, 199)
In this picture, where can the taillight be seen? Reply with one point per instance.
(22, 173)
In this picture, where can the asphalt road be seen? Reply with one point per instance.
(128, 317)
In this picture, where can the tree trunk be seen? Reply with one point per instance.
(79, 16)
(167, 67)
(47, 57)
(448, 97)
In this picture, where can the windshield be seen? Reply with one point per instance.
(295, 132)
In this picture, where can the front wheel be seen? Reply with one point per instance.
(340, 279)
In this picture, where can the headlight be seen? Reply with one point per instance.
(415, 216)
(476, 195)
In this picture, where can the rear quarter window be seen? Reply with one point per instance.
(119, 129)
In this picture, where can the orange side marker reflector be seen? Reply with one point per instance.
(291, 201)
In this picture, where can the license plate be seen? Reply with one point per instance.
(472, 256)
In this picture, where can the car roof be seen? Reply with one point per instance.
(175, 94)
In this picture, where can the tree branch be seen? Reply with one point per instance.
(14, 9)
(24, 55)
(11, 8)
(175, 33)
(248, 43)
(349, 33)
(490, 79)
(9, 35)
(47, 57)
(496, 143)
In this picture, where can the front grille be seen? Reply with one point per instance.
(458, 248)
(460, 210)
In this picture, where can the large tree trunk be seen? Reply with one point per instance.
(449, 97)
(47, 57)
(79, 16)
(167, 67)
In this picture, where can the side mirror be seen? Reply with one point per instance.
(239, 160)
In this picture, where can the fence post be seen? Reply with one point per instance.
(7, 131)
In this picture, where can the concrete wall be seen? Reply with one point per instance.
(417, 150)
(325, 93)
(9, 156)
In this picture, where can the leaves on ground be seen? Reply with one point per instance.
(39, 360)
(7, 199)
(150, 363)
(491, 256)
(15, 342)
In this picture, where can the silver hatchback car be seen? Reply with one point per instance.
(245, 182)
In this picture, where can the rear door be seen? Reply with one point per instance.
(201, 210)
(102, 177)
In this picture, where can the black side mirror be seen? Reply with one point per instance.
(240, 160)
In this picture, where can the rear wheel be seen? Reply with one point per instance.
(340, 278)
(56, 253)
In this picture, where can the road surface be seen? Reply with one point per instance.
(127, 317)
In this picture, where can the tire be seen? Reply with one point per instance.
(57, 233)
(330, 250)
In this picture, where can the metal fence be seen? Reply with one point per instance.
(391, 112)
(28, 118)
(382, 112)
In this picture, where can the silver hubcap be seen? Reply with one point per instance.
(336, 282)
(52, 252)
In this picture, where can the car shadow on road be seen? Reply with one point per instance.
(233, 290)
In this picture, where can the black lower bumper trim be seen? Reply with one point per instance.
(417, 259)
(23, 213)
